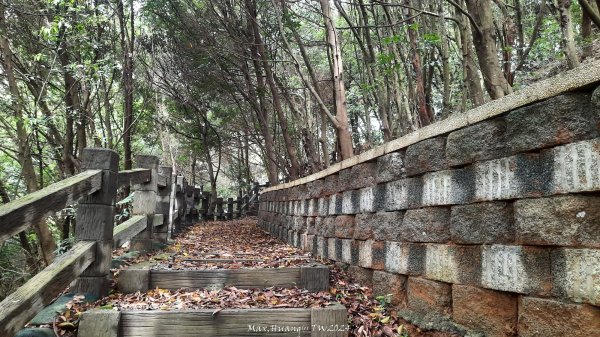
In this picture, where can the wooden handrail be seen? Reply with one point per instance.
(18, 215)
(133, 177)
(128, 229)
(23, 304)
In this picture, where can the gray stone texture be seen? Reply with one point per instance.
(404, 258)
(430, 224)
(482, 223)
(558, 120)
(481, 141)
(344, 226)
(572, 220)
(391, 167)
(390, 285)
(425, 296)
(426, 156)
(576, 274)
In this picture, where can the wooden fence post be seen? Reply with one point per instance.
(163, 205)
(144, 203)
(229, 208)
(95, 220)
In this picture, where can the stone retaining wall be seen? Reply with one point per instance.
(495, 225)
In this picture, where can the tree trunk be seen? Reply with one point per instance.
(24, 151)
(471, 73)
(568, 39)
(344, 139)
(127, 45)
(484, 37)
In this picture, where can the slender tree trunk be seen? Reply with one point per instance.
(344, 139)
(484, 37)
(127, 45)
(566, 27)
(470, 71)
(22, 140)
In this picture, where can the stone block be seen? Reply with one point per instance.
(487, 311)
(519, 269)
(360, 275)
(558, 120)
(572, 220)
(322, 247)
(430, 224)
(311, 225)
(371, 254)
(482, 141)
(363, 227)
(387, 225)
(448, 187)
(330, 184)
(390, 284)
(344, 226)
(334, 249)
(364, 175)
(427, 296)
(546, 317)
(335, 204)
(482, 223)
(369, 198)
(520, 176)
(311, 243)
(327, 228)
(400, 194)
(426, 156)
(575, 167)
(349, 251)
(315, 188)
(345, 180)
(323, 205)
(576, 274)
(453, 264)
(350, 202)
(390, 167)
(404, 258)
(312, 207)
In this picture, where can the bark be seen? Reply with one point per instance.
(290, 147)
(566, 27)
(484, 38)
(127, 46)
(341, 114)
(22, 138)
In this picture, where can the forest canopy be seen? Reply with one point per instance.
(230, 92)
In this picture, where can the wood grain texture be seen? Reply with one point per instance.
(217, 279)
(128, 229)
(314, 277)
(228, 322)
(99, 323)
(18, 215)
(134, 177)
(329, 322)
(23, 304)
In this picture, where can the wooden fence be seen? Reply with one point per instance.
(163, 204)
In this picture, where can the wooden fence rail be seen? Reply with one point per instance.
(163, 205)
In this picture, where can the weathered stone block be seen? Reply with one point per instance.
(391, 167)
(427, 296)
(477, 142)
(334, 249)
(390, 284)
(453, 264)
(519, 269)
(349, 251)
(448, 187)
(430, 224)
(371, 254)
(323, 206)
(327, 228)
(315, 188)
(363, 227)
(322, 247)
(576, 274)
(575, 167)
(330, 185)
(344, 226)
(404, 258)
(482, 223)
(545, 317)
(312, 207)
(360, 275)
(572, 220)
(387, 225)
(350, 202)
(401, 194)
(426, 156)
(345, 180)
(520, 176)
(363, 175)
(335, 204)
(368, 199)
(310, 243)
(491, 312)
(558, 120)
